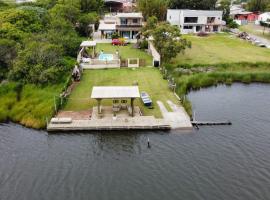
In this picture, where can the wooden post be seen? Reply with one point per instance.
(99, 109)
(132, 107)
(55, 107)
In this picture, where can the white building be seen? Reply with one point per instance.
(127, 25)
(264, 17)
(24, 1)
(193, 21)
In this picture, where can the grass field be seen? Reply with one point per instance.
(126, 52)
(149, 79)
(256, 30)
(221, 48)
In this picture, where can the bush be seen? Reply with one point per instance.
(115, 35)
(143, 44)
(202, 34)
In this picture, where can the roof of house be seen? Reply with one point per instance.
(192, 13)
(130, 15)
(88, 44)
(266, 13)
(244, 13)
(111, 92)
(106, 27)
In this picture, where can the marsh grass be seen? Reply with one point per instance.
(31, 109)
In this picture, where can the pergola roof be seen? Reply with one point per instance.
(114, 92)
(88, 44)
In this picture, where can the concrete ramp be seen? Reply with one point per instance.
(178, 118)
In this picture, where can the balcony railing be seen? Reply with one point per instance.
(129, 25)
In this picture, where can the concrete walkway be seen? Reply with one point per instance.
(261, 39)
(178, 118)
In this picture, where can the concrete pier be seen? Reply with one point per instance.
(122, 121)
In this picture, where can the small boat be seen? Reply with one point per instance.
(146, 99)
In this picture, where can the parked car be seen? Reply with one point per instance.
(119, 41)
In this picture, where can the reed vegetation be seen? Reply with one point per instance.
(29, 105)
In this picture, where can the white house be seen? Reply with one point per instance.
(193, 21)
(126, 25)
(265, 17)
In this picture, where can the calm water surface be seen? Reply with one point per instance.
(214, 163)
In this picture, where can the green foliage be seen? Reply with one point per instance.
(157, 8)
(8, 52)
(65, 11)
(225, 7)
(24, 20)
(193, 4)
(115, 35)
(84, 21)
(168, 41)
(231, 23)
(150, 25)
(143, 44)
(91, 5)
(257, 5)
(38, 63)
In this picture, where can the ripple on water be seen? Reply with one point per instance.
(224, 162)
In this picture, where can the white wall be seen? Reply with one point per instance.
(264, 17)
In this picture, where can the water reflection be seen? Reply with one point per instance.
(222, 162)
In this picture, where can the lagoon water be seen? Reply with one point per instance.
(219, 162)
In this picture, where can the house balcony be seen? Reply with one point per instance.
(129, 26)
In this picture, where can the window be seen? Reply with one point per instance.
(123, 21)
(210, 19)
(135, 21)
(188, 27)
(190, 19)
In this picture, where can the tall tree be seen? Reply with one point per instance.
(157, 8)
(257, 5)
(193, 4)
(168, 41)
(225, 7)
(91, 5)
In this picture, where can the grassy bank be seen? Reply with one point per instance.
(28, 105)
(149, 79)
(126, 52)
(218, 59)
(256, 30)
(221, 48)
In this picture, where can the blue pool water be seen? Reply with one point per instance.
(105, 57)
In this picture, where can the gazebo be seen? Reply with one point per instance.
(92, 44)
(115, 92)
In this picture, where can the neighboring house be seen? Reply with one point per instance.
(264, 17)
(113, 5)
(246, 16)
(24, 1)
(119, 5)
(127, 25)
(193, 21)
(235, 9)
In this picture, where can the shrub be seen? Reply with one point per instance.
(202, 34)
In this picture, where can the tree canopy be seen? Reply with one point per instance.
(39, 39)
(258, 5)
(193, 4)
(167, 40)
(157, 8)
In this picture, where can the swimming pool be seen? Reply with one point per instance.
(104, 56)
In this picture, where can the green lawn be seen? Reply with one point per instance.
(221, 48)
(148, 78)
(126, 52)
(256, 30)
